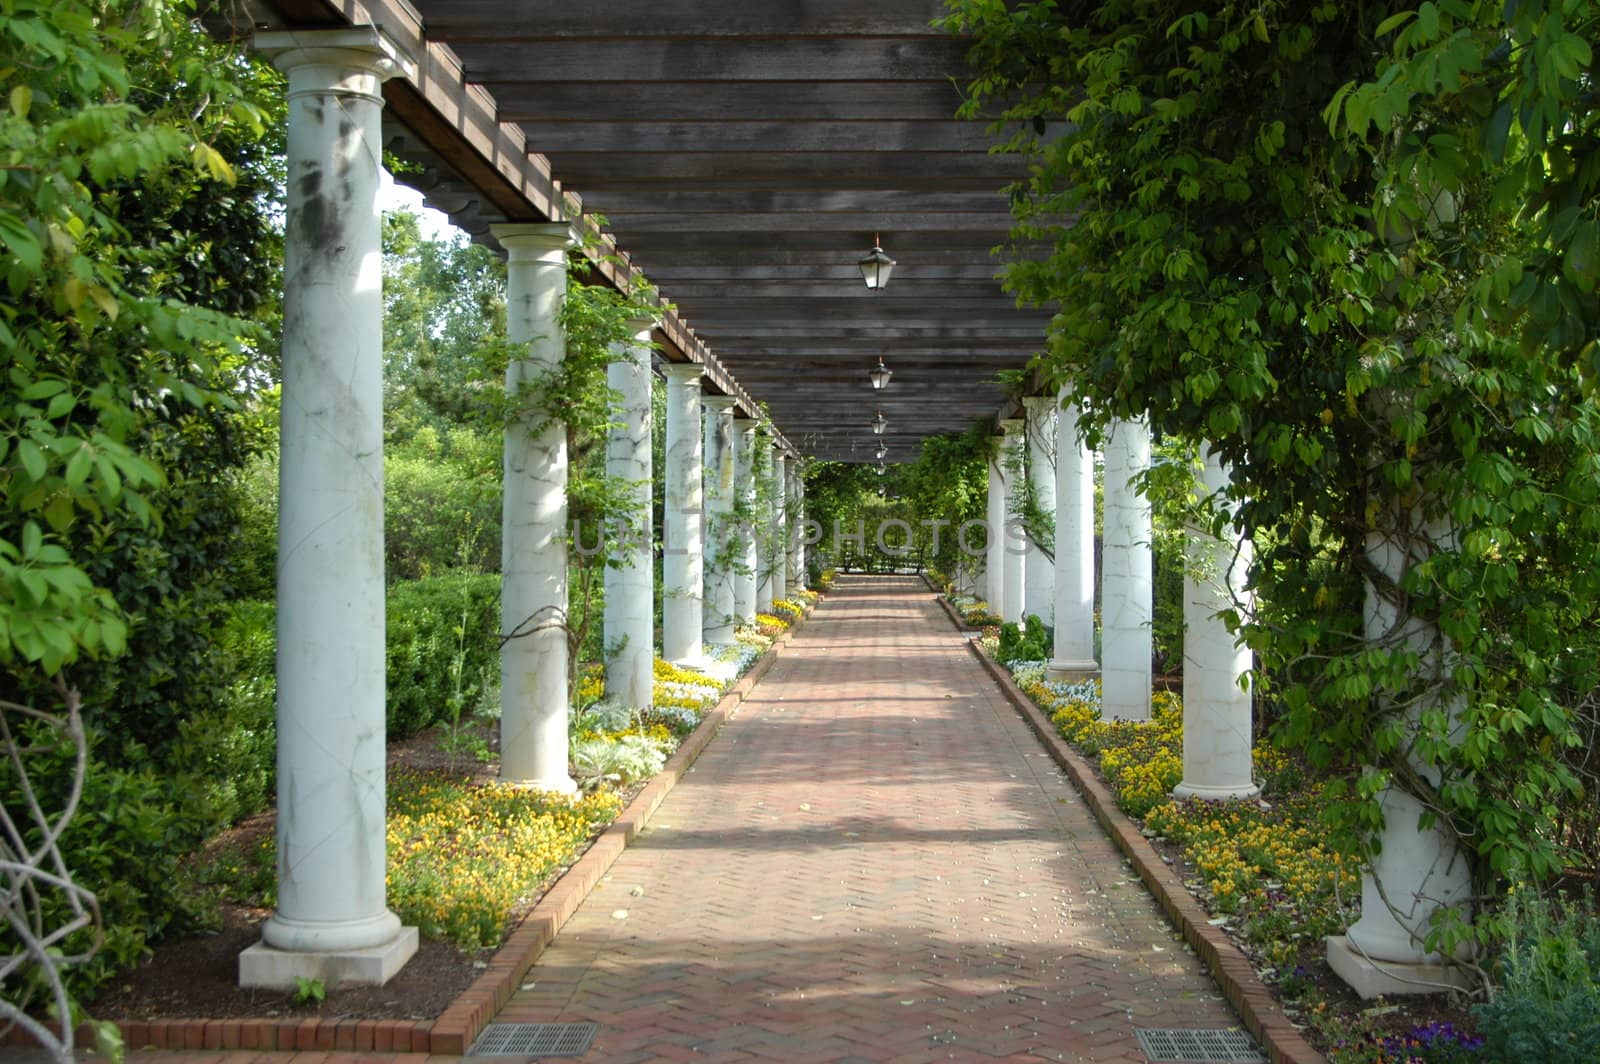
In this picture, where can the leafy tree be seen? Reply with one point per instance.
(444, 307)
(1224, 266)
(948, 483)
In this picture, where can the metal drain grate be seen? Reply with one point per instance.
(1198, 1047)
(534, 1040)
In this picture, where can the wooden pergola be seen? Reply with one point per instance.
(744, 158)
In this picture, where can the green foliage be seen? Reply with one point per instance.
(223, 759)
(125, 844)
(442, 648)
(1235, 273)
(1548, 1007)
(444, 316)
(106, 364)
(948, 482)
(615, 761)
(308, 991)
(136, 210)
(441, 504)
(1463, 92)
(1030, 641)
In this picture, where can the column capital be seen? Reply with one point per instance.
(719, 403)
(531, 242)
(642, 326)
(684, 372)
(363, 50)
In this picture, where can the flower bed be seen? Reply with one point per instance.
(1266, 868)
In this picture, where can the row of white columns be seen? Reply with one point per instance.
(332, 921)
(1050, 574)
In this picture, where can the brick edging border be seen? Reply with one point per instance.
(458, 1026)
(1250, 997)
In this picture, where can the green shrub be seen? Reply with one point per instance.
(443, 641)
(441, 508)
(125, 844)
(1031, 641)
(1548, 1007)
(225, 756)
(442, 647)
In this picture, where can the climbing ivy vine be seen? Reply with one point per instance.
(1381, 328)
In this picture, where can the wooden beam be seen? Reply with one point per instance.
(487, 19)
(692, 101)
(941, 170)
(693, 203)
(509, 60)
(636, 138)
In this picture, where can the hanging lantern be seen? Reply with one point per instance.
(879, 424)
(876, 267)
(879, 375)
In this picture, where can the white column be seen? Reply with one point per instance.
(1015, 551)
(1038, 566)
(744, 533)
(630, 584)
(1073, 657)
(797, 519)
(1418, 870)
(683, 522)
(1125, 586)
(1216, 710)
(332, 921)
(533, 549)
(774, 561)
(721, 455)
(994, 567)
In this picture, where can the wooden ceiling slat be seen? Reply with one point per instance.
(693, 101)
(507, 59)
(637, 138)
(486, 19)
(692, 202)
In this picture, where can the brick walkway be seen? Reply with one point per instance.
(874, 861)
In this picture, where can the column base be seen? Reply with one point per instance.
(1212, 793)
(270, 968)
(1069, 671)
(562, 784)
(1370, 979)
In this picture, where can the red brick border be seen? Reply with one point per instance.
(460, 1023)
(1250, 997)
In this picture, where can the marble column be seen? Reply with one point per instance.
(683, 522)
(1073, 654)
(1126, 588)
(630, 583)
(1039, 568)
(797, 521)
(721, 457)
(533, 550)
(744, 532)
(1418, 868)
(332, 920)
(994, 567)
(1217, 734)
(775, 562)
(1015, 553)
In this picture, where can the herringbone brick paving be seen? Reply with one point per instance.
(874, 861)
